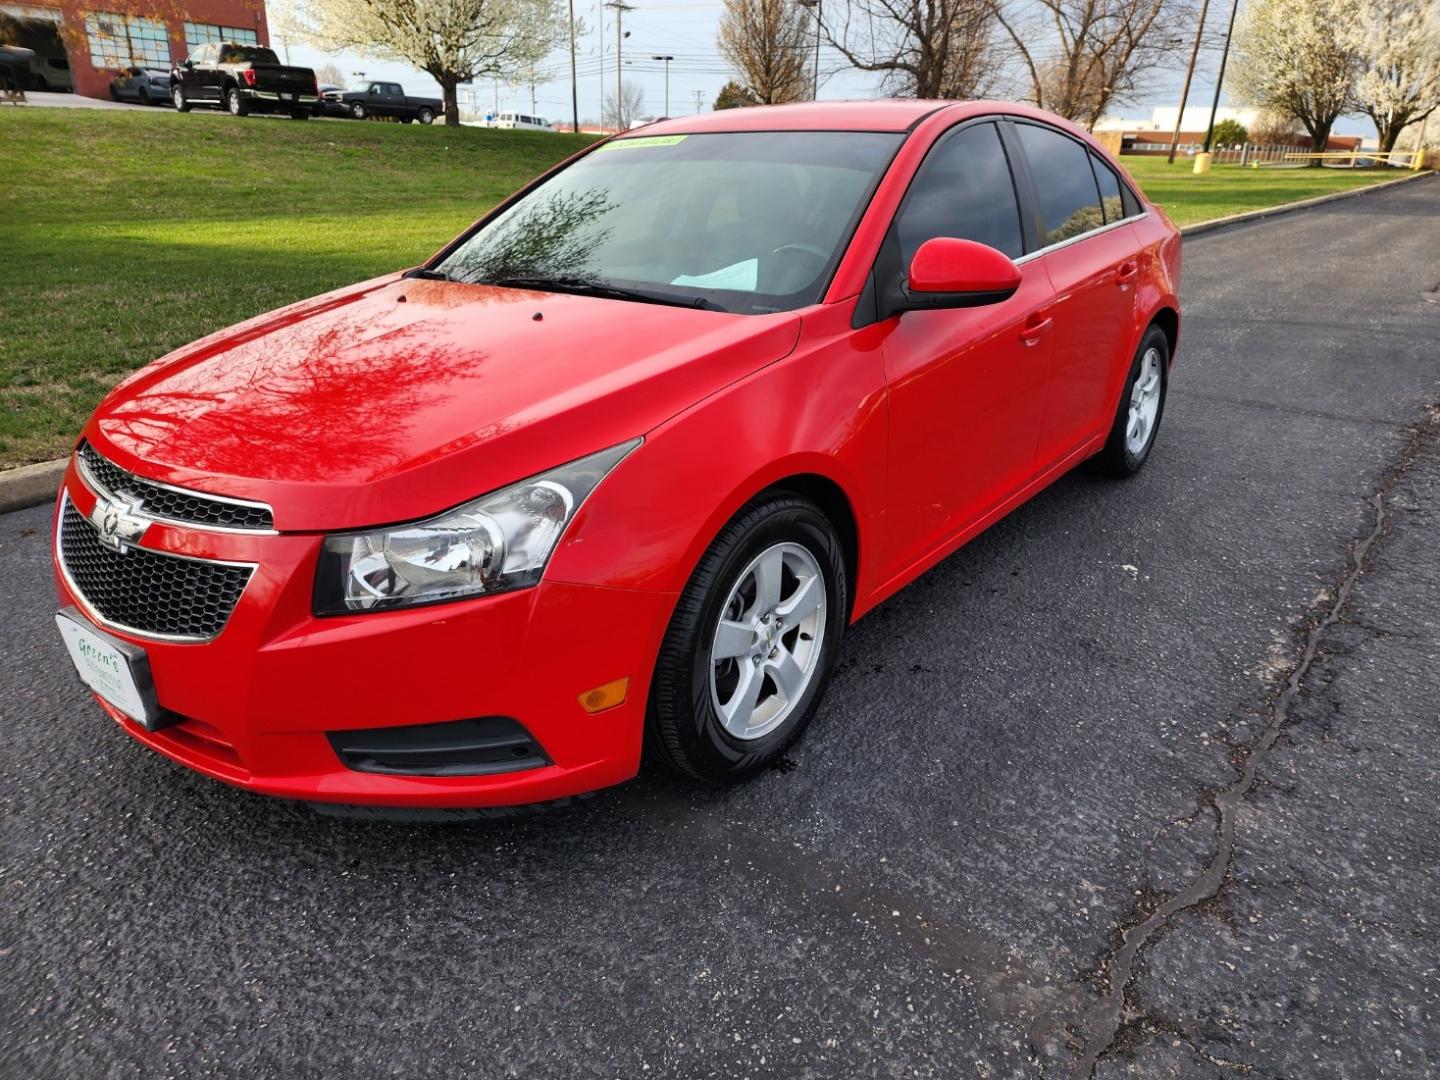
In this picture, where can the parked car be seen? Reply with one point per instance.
(390, 99)
(637, 448)
(332, 101)
(15, 74)
(148, 86)
(519, 121)
(243, 79)
(51, 71)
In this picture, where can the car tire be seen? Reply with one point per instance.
(426, 116)
(145, 97)
(177, 97)
(1141, 406)
(114, 94)
(300, 114)
(236, 104)
(358, 111)
(717, 711)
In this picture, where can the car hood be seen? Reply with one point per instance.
(398, 398)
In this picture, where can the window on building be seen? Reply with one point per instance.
(118, 40)
(203, 33)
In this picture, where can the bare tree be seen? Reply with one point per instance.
(1275, 129)
(1082, 56)
(330, 74)
(766, 41)
(452, 41)
(1296, 58)
(632, 103)
(923, 48)
(1398, 46)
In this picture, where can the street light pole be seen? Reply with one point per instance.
(815, 6)
(667, 60)
(1220, 78)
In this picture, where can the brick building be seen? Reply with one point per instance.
(84, 42)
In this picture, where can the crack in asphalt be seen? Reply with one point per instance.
(1101, 1025)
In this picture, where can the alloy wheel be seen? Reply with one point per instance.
(767, 642)
(1144, 402)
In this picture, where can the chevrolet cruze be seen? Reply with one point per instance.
(609, 476)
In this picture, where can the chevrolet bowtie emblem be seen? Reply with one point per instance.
(117, 523)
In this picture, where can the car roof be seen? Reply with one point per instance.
(891, 114)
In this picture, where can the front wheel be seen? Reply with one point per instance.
(237, 105)
(177, 95)
(1142, 404)
(751, 644)
(357, 110)
(427, 116)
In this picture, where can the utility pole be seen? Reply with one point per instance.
(814, 6)
(1220, 78)
(667, 60)
(574, 84)
(1189, 73)
(620, 8)
(699, 99)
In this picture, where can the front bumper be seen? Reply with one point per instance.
(259, 699)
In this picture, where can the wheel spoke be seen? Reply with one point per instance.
(737, 711)
(732, 639)
(802, 601)
(789, 676)
(1132, 430)
(768, 572)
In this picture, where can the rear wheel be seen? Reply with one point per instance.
(237, 105)
(1142, 404)
(427, 116)
(177, 95)
(300, 114)
(751, 644)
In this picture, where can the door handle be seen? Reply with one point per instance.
(1127, 273)
(1035, 328)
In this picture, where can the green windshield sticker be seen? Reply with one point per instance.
(648, 140)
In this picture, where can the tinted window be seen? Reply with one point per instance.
(747, 221)
(247, 54)
(1060, 167)
(963, 189)
(1110, 198)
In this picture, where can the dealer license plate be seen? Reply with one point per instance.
(116, 670)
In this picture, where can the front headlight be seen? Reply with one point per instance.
(495, 543)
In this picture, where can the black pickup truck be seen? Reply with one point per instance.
(389, 99)
(243, 79)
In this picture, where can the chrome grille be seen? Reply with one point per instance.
(148, 592)
(165, 503)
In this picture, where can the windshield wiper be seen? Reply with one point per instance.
(427, 274)
(586, 287)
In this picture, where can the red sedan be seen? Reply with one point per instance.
(611, 474)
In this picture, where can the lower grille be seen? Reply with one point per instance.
(146, 591)
(487, 744)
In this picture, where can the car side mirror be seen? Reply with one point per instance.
(188, 64)
(948, 272)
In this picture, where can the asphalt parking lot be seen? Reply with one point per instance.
(1140, 783)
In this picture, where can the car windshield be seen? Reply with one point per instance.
(748, 222)
(248, 54)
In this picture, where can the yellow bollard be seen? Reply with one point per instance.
(1202, 163)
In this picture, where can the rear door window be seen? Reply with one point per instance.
(1064, 183)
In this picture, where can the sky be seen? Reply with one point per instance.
(686, 30)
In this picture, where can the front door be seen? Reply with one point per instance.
(967, 386)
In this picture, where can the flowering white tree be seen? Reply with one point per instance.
(453, 41)
(1297, 58)
(1398, 44)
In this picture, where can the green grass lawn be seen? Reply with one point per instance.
(1229, 189)
(126, 234)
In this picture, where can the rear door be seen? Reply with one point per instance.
(967, 385)
(1092, 263)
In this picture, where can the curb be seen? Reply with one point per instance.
(1286, 208)
(30, 485)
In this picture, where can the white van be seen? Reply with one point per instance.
(520, 122)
